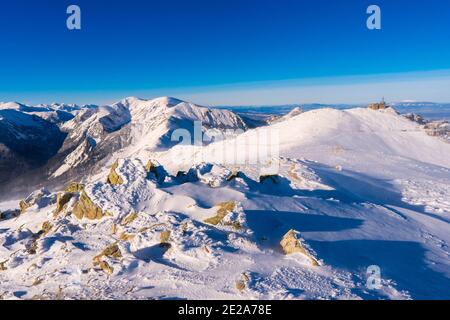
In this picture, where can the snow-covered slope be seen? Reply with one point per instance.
(27, 139)
(293, 113)
(55, 113)
(133, 126)
(94, 134)
(360, 189)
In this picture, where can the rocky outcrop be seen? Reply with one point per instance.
(112, 252)
(113, 177)
(229, 214)
(41, 198)
(165, 237)
(62, 199)
(46, 228)
(32, 245)
(438, 129)
(129, 219)
(23, 205)
(74, 187)
(242, 284)
(151, 166)
(85, 208)
(223, 209)
(291, 244)
(415, 118)
(155, 170)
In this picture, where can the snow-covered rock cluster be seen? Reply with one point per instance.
(352, 189)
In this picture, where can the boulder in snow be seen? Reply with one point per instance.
(41, 198)
(113, 177)
(292, 244)
(85, 208)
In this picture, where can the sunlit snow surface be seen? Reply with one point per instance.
(362, 187)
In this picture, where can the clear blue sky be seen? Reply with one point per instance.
(224, 51)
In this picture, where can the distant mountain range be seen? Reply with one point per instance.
(56, 143)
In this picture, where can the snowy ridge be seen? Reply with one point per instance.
(358, 188)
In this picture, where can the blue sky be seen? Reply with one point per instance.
(225, 51)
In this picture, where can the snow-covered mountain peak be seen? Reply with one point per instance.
(139, 102)
(354, 188)
(11, 105)
(168, 101)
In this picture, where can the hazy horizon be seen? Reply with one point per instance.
(225, 52)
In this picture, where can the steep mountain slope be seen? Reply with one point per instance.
(373, 194)
(293, 113)
(133, 126)
(55, 113)
(27, 138)
(129, 126)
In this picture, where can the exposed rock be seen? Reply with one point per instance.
(111, 251)
(415, 118)
(32, 246)
(37, 281)
(85, 208)
(229, 214)
(129, 218)
(24, 206)
(241, 284)
(150, 166)
(156, 170)
(211, 174)
(41, 198)
(126, 236)
(113, 177)
(438, 129)
(74, 187)
(165, 237)
(46, 228)
(106, 267)
(223, 209)
(291, 244)
(62, 200)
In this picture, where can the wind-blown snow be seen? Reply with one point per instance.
(362, 187)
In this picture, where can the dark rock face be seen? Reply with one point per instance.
(49, 149)
(29, 136)
(415, 118)
(26, 142)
